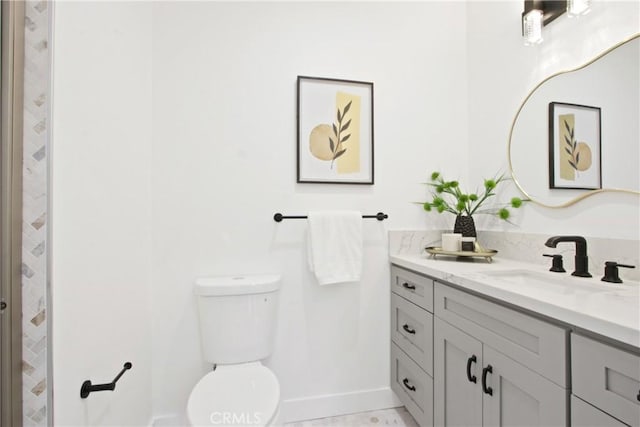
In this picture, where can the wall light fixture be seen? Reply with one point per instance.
(538, 13)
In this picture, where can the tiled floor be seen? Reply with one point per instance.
(386, 417)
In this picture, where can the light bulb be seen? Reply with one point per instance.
(578, 7)
(532, 27)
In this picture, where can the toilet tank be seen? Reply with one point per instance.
(237, 317)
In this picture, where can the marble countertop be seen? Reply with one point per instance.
(607, 309)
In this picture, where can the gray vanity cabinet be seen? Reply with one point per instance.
(494, 366)
(459, 358)
(412, 343)
(607, 378)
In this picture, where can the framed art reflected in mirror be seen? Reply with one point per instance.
(574, 147)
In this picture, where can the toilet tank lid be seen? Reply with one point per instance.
(237, 285)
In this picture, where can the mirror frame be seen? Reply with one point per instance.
(515, 119)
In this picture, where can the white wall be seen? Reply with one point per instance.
(502, 71)
(100, 211)
(224, 107)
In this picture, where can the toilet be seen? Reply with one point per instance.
(237, 325)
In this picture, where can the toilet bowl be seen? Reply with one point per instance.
(237, 321)
(247, 394)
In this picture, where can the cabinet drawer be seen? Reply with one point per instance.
(417, 289)
(412, 331)
(606, 377)
(412, 385)
(536, 344)
(585, 415)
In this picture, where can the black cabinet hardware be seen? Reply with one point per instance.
(88, 388)
(3, 305)
(471, 378)
(638, 396)
(408, 286)
(407, 385)
(485, 371)
(408, 329)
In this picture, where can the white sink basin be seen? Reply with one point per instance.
(560, 283)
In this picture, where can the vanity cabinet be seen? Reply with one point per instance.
(412, 343)
(495, 366)
(460, 358)
(607, 378)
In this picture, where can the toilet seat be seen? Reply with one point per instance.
(244, 394)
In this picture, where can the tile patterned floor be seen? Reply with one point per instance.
(386, 417)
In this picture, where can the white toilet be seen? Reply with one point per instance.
(237, 325)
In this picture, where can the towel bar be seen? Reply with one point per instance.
(278, 217)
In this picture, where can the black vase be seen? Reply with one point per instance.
(465, 225)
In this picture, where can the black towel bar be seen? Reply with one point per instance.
(278, 217)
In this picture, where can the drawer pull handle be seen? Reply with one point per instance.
(471, 378)
(408, 286)
(638, 396)
(407, 385)
(485, 371)
(408, 329)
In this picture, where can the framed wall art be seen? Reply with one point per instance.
(335, 131)
(575, 160)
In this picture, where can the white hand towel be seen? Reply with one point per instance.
(335, 246)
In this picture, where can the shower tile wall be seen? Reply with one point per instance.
(34, 226)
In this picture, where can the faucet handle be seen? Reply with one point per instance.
(556, 265)
(611, 271)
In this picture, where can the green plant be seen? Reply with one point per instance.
(448, 197)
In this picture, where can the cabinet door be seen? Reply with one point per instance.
(514, 395)
(457, 359)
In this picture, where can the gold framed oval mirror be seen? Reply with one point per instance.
(600, 103)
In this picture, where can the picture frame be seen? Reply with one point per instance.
(335, 131)
(575, 150)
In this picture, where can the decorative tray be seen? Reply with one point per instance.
(478, 253)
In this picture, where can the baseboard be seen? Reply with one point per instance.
(330, 405)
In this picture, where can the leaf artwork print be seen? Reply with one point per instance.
(572, 146)
(339, 137)
(575, 155)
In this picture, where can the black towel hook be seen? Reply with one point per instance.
(87, 387)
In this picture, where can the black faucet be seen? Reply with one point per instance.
(581, 258)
